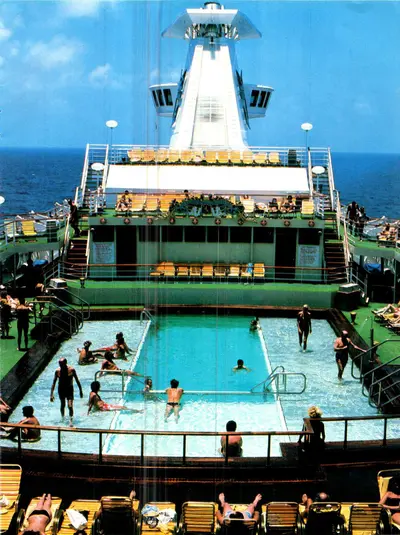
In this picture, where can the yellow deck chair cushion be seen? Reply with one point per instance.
(274, 158)
(28, 228)
(135, 155)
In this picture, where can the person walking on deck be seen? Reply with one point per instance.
(65, 376)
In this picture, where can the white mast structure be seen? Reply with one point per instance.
(210, 106)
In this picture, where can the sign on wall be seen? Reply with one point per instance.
(309, 256)
(103, 253)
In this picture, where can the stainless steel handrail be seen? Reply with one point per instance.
(363, 353)
(280, 367)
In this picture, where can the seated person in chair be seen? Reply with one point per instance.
(124, 202)
(228, 513)
(273, 206)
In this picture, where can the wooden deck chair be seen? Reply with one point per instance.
(89, 509)
(135, 155)
(182, 271)
(152, 204)
(220, 271)
(211, 156)
(198, 517)
(223, 156)
(187, 156)
(161, 155)
(117, 516)
(10, 482)
(165, 203)
(323, 518)
(169, 528)
(234, 271)
(260, 158)
(248, 157)
(259, 271)
(23, 516)
(207, 271)
(158, 272)
(246, 272)
(148, 155)
(249, 206)
(169, 270)
(173, 156)
(274, 158)
(235, 157)
(240, 526)
(198, 156)
(281, 517)
(194, 271)
(366, 519)
(307, 208)
(28, 227)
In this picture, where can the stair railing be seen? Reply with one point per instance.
(69, 326)
(84, 305)
(331, 179)
(84, 171)
(122, 373)
(378, 382)
(87, 254)
(368, 351)
(146, 314)
(277, 369)
(63, 305)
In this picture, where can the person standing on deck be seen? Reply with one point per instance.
(304, 326)
(341, 348)
(173, 403)
(65, 376)
(74, 218)
(22, 312)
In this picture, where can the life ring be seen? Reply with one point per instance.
(311, 223)
(103, 221)
(149, 220)
(286, 223)
(240, 221)
(195, 221)
(127, 220)
(172, 220)
(217, 221)
(264, 222)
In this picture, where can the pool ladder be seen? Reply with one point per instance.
(145, 314)
(278, 377)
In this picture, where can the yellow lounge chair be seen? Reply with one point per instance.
(307, 208)
(365, 519)
(28, 228)
(89, 509)
(183, 271)
(135, 155)
(118, 515)
(198, 517)
(187, 156)
(208, 271)
(161, 155)
(173, 156)
(281, 517)
(223, 156)
(274, 158)
(234, 271)
(235, 157)
(211, 156)
(248, 157)
(260, 158)
(167, 528)
(10, 482)
(148, 155)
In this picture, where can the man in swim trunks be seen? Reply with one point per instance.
(40, 517)
(240, 366)
(173, 403)
(65, 376)
(341, 348)
(229, 513)
(235, 442)
(304, 325)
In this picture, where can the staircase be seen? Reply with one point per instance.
(93, 181)
(334, 251)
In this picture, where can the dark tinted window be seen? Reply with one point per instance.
(103, 233)
(155, 98)
(171, 233)
(160, 97)
(309, 236)
(240, 235)
(263, 94)
(195, 234)
(263, 235)
(267, 99)
(217, 234)
(254, 98)
(168, 97)
(149, 233)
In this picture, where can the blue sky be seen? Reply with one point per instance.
(68, 66)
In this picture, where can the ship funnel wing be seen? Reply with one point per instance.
(234, 24)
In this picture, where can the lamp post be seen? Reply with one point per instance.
(111, 124)
(306, 127)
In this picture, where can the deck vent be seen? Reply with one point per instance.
(57, 284)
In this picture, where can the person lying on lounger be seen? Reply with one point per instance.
(40, 517)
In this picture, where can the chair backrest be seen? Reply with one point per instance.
(323, 518)
(116, 515)
(198, 517)
(10, 479)
(240, 526)
(281, 514)
(364, 517)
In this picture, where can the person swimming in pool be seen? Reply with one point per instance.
(240, 366)
(229, 513)
(173, 402)
(255, 324)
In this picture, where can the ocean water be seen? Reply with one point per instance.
(32, 179)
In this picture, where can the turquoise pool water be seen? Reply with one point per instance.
(200, 351)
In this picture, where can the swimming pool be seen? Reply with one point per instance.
(200, 351)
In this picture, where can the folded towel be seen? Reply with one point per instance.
(4, 501)
(78, 521)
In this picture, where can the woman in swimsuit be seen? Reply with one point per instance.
(109, 365)
(96, 403)
(40, 517)
(228, 512)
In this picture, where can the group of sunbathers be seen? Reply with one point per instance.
(390, 315)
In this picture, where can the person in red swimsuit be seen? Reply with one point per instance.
(96, 403)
